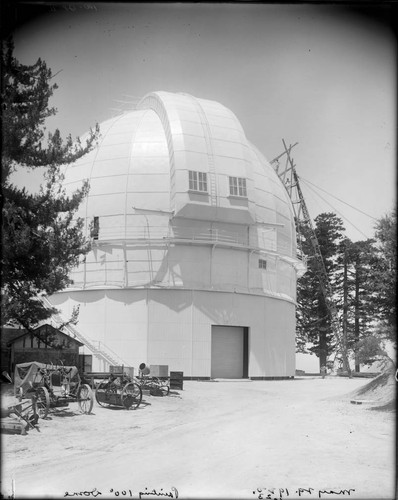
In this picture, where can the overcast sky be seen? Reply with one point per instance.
(320, 75)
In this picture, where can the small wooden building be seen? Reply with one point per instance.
(45, 344)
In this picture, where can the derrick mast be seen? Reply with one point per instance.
(290, 180)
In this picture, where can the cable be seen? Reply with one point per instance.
(342, 201)
(335, 209)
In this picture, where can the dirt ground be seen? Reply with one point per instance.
(300, 438)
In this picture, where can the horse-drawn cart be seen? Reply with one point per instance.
(53, 386)
(118, 389)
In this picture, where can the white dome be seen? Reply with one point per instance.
(193, 263)
(181, 167)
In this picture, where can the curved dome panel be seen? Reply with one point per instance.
(179, 170)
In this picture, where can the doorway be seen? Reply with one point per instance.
(229, 351)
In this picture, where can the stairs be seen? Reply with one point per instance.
(101, 351)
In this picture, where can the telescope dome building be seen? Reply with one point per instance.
(193, 263)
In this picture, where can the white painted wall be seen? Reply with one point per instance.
(173, 327)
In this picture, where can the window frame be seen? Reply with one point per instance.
(237, 187)
(262, 264)
(197, 181)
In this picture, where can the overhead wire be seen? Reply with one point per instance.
(334, 208)
(339, 199)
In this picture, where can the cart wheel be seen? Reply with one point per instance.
(131, 395)
(165, 388)
(100, 387)
(85, 398)
(42, 402)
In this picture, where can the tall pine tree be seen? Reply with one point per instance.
(314, 325)
(41, 239)
(358, 291)
(386, 271)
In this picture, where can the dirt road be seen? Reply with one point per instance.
(225, 439)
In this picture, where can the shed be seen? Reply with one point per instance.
(44, 344)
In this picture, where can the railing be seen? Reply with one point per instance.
(153, 233)
(101, 351)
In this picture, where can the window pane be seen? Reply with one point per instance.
(233, 186)
(202, 181)
(242, 186)
(193, 180)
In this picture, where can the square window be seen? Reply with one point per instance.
(237, 186)
(197, 181)
(262, 264)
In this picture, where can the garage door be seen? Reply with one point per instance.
(227, 346)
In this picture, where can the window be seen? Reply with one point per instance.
(237, 186)
(262, 264)
(95, 228)
(197, 181)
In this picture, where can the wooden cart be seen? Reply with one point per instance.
(118, 389)
(37, 378)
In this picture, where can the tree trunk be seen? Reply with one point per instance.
(323, 351)
(346, 366)
(356, 330)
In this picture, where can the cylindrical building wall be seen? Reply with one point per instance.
(192, 231)
(174, 327)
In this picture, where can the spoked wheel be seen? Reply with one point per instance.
(85, 398)
(161, 386)
(99, 393)
(131, 395)
(165, 388)
(158, 387)
(42, 402)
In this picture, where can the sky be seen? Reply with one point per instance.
(320, 75)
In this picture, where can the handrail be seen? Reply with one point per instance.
(103, 352)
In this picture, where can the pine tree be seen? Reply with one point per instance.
(313, 314)
(386, 271)
(358, 289)
(41, 239)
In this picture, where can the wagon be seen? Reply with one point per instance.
(39, 379)
(157, 386)
(118, 389)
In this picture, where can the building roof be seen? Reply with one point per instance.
(176, 169)
(142, 163)
(17, 334)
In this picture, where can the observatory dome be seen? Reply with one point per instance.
(183, 212)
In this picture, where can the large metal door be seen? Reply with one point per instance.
(227, 352)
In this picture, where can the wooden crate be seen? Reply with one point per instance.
(118, 370)
(159, 371)
(177, 380)
(13, 426)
